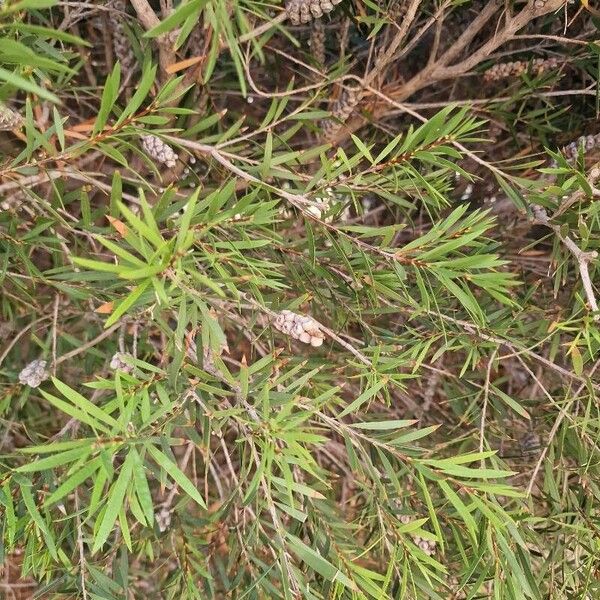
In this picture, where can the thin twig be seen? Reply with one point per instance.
(80, 547)
(88, 345)
(443, 68)
(486, 395)
(583, 259)
(363, 359)
(55, 331)
(18, 336)
(559, 420)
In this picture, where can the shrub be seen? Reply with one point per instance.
(298, 299)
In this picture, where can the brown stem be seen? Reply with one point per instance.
(148, 18)
(583, 259)
(443, 69)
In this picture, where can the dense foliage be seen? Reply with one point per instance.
(298, 299)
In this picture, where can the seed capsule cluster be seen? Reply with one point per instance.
(516, 68)
(299, 327)
(304, 11)
(344, 106)
(317, 42)
(9, 119)
(321, 205)
(12, 202)
(155, 148)
(341, 109)
(121, 44)
(117, 362)
(428, 546)
(539, 213)
(34, 373)
(163, 519)
(587, 142)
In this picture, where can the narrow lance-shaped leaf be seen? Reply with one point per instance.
(177, 475)
(114, 505)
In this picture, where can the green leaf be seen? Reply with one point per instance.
(120, 252)
(177, 475)
(513, 404)
(75, 480)
(460, 508)
(317, 562)
(109, 96)
(45, 32)
(74, 412)
(124, 527)
(57, 446)
(184, 225)
(384, 425)
(414, 435)
(38, 519)
(27, 85)
(364, 397)
(148, 230)
(141, 272)
(297, 487)
(97, 265)
(10, 516)
(178, 16)
(265, 168)
(461, 471)
(27, 5)
(142, 489)
(126, 304)
(363, 149)
(143, 88)
(84, 404)
(62, 458)
(114, 505)
(576, 359)
(58, 126)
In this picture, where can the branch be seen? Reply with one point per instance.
(592, 178)
(106, 333)
(148, 18)
(273, 315)
(552, 434)
(583, 258)
(442, 69)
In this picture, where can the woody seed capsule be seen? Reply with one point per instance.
(154, 147)
(34, 373)
(9, 119)
(118, 362)
(304, 11)
(299, 327)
